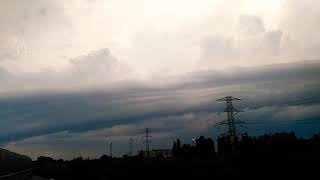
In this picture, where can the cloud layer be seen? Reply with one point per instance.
(73, 72)
(284, 97)
(151, 37)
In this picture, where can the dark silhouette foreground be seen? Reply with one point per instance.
(11, 162)
(280, 155)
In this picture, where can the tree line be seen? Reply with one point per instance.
(279, 155)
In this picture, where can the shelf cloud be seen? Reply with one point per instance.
(81, 70)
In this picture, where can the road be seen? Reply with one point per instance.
(21, 175)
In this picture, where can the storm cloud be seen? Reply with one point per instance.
(183, 107)
(76, 73)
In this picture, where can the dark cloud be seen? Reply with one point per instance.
(184, 107)
(97, 95)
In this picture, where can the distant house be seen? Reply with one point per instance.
(165, 153)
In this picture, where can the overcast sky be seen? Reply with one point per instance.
(84, 71)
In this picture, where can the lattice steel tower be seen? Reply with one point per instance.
(147, 136)
(231, 122)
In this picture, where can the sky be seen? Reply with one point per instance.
(78, 74)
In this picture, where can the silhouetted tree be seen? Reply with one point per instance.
(279, 155)
(205, 147)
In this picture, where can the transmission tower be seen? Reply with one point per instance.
(231, 122)
(147, 131)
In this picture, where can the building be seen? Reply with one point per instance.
(165, 153)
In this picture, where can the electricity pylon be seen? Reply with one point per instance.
(231, 122)
(147, 131)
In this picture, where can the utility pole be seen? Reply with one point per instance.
(109, 146)
(147, 131)
(130, 146)
(231, 122)
(110, 149)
